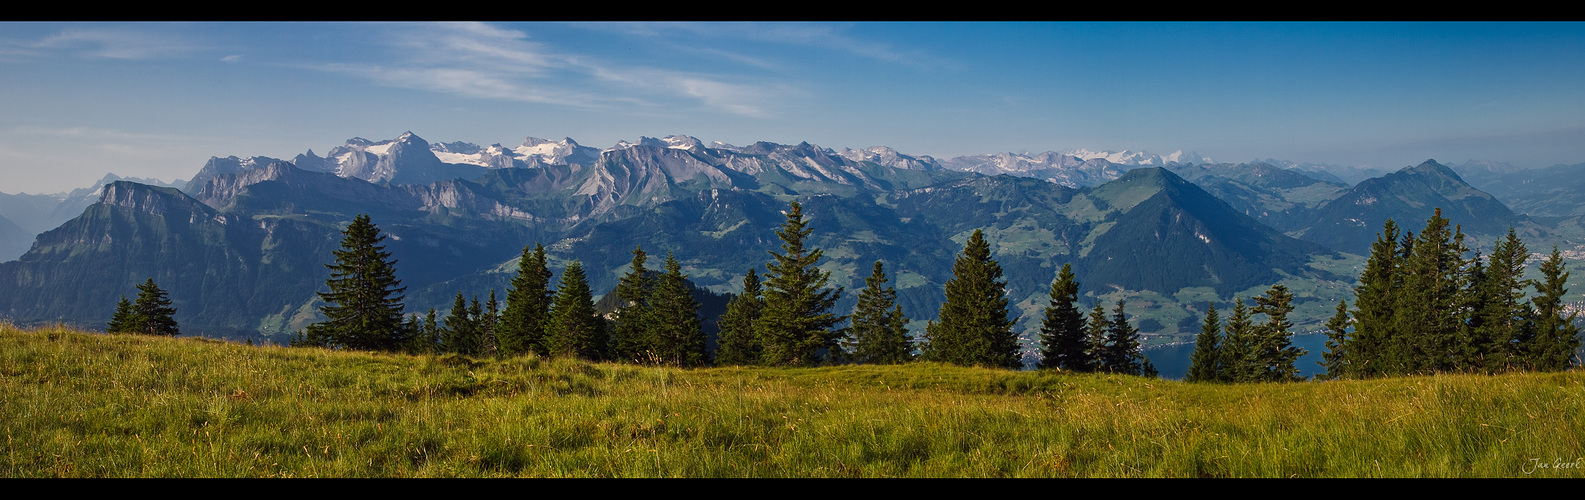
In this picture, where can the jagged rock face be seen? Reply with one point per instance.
(159, 202)
(217, 166)
(313, 163)
(564, 152)
(220, 268)
(888, 157)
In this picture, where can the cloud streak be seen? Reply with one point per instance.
(489, 62)
(113, 43)
(828, 37)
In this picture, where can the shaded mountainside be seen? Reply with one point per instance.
(1408, 196)
(1281, 198)
(221, 270)
(1182, 236)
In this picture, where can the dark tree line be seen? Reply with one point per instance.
(1243, 350)
(1072, 341)
(784, 317)
(1424, 304)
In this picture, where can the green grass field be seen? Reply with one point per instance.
(76, 404)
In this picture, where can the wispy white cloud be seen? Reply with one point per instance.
(485, 61)
(832, 37)
(113, 43)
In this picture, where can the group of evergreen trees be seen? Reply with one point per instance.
(151, 314)
(786, 320)
(1071, 342)
(658, 321)
(1244, 351)
(1422, 306)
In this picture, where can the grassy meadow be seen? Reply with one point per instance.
(77, 404)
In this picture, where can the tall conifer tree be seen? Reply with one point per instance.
(121, 321)
(879, 332)
(1238, 352)
(974, 327)
(1275, 356)
(738, 344)
(575, 329)
(1504, 311)
(152, 312)
(1122, 354)
(1062, 339)
(1205, 363)
(797, 324)
(364, 304)
(527, 314)
(460, 327)
(677, 337)
(1335, 359)
(1428, 330)
(428, 339)
(1376, 297)
(1557, 337)
(632, 337)
(1095, 326)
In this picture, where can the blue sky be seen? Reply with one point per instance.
(79, 100)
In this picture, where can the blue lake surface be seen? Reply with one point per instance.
(1173, 361)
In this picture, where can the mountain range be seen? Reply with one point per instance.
(242, 246)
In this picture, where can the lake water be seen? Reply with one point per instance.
(1173, 361)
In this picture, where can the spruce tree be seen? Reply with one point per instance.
(1376, 297)
(1205, 364)
(1238, 351)
(1275, 356)
(527, 314)
(632, 339)
(879, 333)
(426, 340)
(1431, 320)
(121, 321)
(575, 328)
(1557, 337)
(1063, 342)
(677, 338)
(460, 327)
(1122, 354)
(1335, 359)
(973, 326)
(1504, 311)
(738, 344)
(152, 312)
(1095, 327)
(797, 323)
(364, 305)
